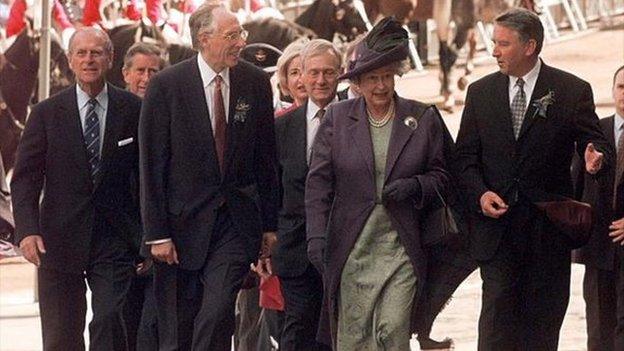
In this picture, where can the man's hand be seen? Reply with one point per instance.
(31, 246)
(268, 241)
(165, 252)
(593, 159)
(617, 231)
(143, 267)
(492, 205)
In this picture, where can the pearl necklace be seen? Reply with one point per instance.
(386, 118)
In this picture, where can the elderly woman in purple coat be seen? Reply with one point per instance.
(376, 162)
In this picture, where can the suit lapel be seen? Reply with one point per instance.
(400, 134)
(195, 99)
(541, 89)
(360, 133)
(607, 127)
(298, 132)
(500, 100)
(236, 93)
(70, 123)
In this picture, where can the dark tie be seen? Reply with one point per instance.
(619, 168)
(518, 108)
(92, 137)
(320, 114)
(220, 123)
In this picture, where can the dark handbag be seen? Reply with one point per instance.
(572, 218)
(438, 223)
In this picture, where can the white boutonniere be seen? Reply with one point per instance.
(541, 104)
(240, 110)
(411, 122)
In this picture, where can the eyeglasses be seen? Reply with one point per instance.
(233, 36)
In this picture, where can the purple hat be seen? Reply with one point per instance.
(387, 42)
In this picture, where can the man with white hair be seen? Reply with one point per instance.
(208, 181)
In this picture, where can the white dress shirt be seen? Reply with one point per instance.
(312, 124)
(207, 76)
(101, 108)
(529, 84)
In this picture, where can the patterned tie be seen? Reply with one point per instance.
(320, 114)
(220, 123)
(518, 107)
(619, 168)
(92, 137)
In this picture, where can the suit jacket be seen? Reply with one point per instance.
(7, 225)
(341, 192)
(599, 252)
(52, 160)
(537, 165)
(290, 252)
(181, 184)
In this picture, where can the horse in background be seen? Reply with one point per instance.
(328, 18)
(18, 86)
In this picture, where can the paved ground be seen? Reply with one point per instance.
(593, 56)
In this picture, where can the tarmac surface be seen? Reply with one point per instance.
(592, 55)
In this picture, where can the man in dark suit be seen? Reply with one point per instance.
(141, 62)
(603, 282)
(7, 225)
(79, 151)
(302, 285)
(519, 130)
(208, 181)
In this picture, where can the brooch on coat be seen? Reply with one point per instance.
(240, 110)
(541, 104)
(411, 122)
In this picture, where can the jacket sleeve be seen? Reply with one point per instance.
(589, 131)
(436, 177)
(154, 152)
(265, 159)
(29, 175)
(468, 156)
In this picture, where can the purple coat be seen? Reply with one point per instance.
(340, 189)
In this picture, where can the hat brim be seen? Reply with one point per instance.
(398, 53)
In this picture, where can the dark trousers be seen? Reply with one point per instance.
(196, 308)
(140, 314)
(63, 305)
(525, 286)
(603, 292)
(303, 298)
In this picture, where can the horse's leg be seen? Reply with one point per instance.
(442, 16)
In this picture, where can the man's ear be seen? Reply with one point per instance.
(531, 47)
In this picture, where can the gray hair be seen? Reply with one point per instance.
(292, 51)
(526, 23)
(399, 67)
(108, 44)
(202, 19)
(146, 49)
(319, 47)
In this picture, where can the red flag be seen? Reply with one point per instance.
(132, 10)
(60, 17)
(16, 21)
(91, 14)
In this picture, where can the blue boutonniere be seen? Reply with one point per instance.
(240, 110)
(541, 104)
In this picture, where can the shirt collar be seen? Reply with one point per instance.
(530, 78)
(618, 121)
(313, 108)
(208, 74)
(83, 98)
